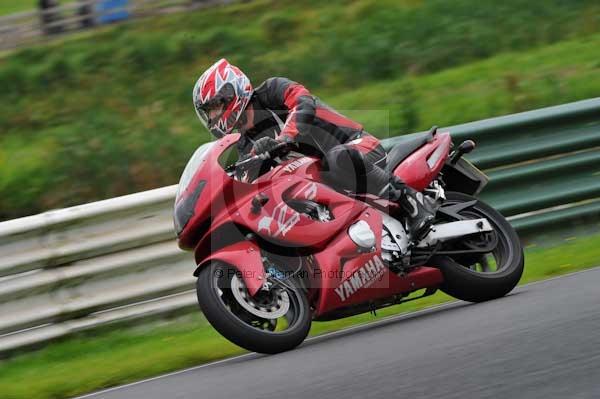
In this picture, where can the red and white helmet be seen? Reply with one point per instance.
(225, 88)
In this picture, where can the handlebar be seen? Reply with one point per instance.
(279, 150)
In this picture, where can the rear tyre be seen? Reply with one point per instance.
(478, 278)
(270, 322)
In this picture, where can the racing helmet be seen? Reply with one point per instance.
(221, 95)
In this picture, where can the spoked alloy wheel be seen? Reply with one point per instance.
(481, 276)
(271, 321)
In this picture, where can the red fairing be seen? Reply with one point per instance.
(415, 170)
(225, 219)
(212, 202)
(363, 277)
(277, 221)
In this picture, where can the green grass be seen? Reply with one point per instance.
(129, 148)
(508, 83)
(14, 6)
(108, 112)
(93, 361)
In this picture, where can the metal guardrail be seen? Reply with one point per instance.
(81, 267)
(31, 27)
(116, 261)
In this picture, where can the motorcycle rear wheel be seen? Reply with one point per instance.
(478, 278)
(270, 322)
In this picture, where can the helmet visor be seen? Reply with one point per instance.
(210, 113)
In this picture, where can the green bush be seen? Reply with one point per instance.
(14, 78)
(279, 28)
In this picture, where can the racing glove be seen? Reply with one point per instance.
(264, 144)
(267, 144)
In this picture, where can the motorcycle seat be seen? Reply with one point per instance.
(406, 145)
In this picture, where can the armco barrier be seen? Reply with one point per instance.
(116, 261)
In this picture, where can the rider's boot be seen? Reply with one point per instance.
(419, 208)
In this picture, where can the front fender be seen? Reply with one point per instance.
(245, 257)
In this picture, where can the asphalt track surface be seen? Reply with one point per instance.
(542, 341)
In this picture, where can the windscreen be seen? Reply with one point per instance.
(192, 166)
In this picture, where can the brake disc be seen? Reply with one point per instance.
(268, 305)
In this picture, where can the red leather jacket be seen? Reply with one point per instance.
(283, 108)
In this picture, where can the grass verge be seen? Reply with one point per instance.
(14, 6)
(18, 6)
(91, 362)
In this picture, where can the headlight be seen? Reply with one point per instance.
(362, 235)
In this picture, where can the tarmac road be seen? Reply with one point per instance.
(542, 341)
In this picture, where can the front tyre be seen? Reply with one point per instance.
(270, 322)
(480, 277)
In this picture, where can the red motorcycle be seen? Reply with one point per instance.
(284, 249)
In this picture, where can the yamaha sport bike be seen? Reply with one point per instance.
(282, 249)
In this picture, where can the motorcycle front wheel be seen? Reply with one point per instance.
(478, 277)
(271, 321)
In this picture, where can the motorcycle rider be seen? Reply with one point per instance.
(280, 110)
